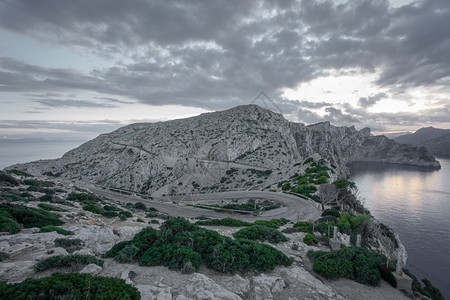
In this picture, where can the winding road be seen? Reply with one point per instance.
(293, 208)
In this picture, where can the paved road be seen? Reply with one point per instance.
(293, 206)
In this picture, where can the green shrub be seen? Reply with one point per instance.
(69, 286)
(29, 216)
(67, 242)
(74, 262)
(8, 224)
(14, 197)
(140, 206)
(19, 173)
(92, 208)
(110, 208)
(366, 270)
(303, 226)
(48, 207)
(32, 182)
(308, 160)
(180, 243)
(261, 233)
(83, 198)
(46, 198)
(109, 214)
(9, 179)
(309, 239)
(50, 228)
(428, 290)
(360, 264)
(332, 265)
(126, 214)
(224, 222)
(331, 212)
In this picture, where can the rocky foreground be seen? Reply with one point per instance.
(97, 233)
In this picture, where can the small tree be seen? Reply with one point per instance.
(327, 193)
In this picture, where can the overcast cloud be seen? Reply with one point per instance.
(217, 54)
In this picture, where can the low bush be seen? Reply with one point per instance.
(310, 239)
(427, 289)
(109, 214)
(71, 245)
(331, 212)
(14, 197)
(48, 207)
(32, 182)
(182, 245)
(18, 172)
(224, 222)
(303, 226)
(83, 198)
(140, 206)
(261, 233)
(50, 228)
(46, 198)
(69, 286)
(355, 263)
(29, 216)
(92, 208)
(74, 262)
(8, 179)
(8, 224)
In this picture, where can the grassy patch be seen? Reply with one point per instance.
(74, 262)
(356, 263)
(51, 228)
(29, 216)
(180, 242)
(69, 286)
(260, 233)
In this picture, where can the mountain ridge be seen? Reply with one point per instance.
(436, 140)
(194, 154)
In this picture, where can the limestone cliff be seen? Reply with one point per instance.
(197, 154)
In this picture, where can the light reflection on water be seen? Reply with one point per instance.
(416, 204)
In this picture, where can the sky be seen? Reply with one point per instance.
(75, 69)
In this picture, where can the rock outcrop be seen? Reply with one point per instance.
(194, 154)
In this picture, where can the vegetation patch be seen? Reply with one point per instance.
(230, 222)
(19, 173)
(83, 198)
(29, 216)
(260, 233)
(8, 223)
(426, 289)
(40, 183)
(310, 239)
(74, 262)
(69, 286)
(51, 228)
(180, 243)
(357, 263)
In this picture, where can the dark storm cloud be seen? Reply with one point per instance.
(217, 54)
(371, 100)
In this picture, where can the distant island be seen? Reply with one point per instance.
(436, 140)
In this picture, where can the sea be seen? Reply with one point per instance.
(21, 152)
(415, 202)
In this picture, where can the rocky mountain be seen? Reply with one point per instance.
(436, 140)
(241, 148)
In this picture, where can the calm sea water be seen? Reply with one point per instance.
(416, 204)
(12, 153)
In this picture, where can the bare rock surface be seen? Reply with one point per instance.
(154, 158)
